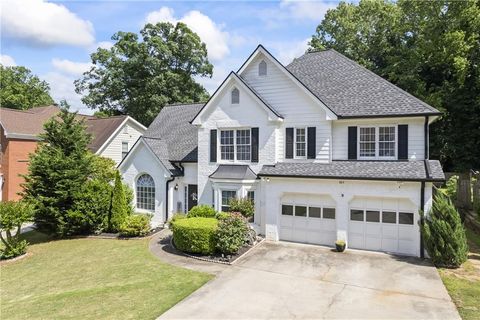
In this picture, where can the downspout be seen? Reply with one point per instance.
(166, 198)
(426, 134)
(422, 219)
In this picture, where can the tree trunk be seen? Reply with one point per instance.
(464, 191)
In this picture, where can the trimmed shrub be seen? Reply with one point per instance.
(444, 234)
(178, 216)
(245, 206)
(135, 225)
(119, 209)
(222, 215)
(232, 233)
(12, 216)
(195, 235)
(203, 211)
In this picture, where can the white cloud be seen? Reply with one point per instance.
(70, 67)
(7, 61)
(61, 87)
(40, 23)
(312, 10)
(287, 51)
(210, 32)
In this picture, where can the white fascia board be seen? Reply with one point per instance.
(330, 115)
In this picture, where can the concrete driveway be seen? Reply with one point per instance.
(286, 280)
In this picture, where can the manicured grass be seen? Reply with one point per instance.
(463, 284)
(92, 279)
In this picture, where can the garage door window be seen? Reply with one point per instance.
(389, 217)
(373, 216)
(328, 213)
(356, 215)
(300, 211)
(405, 218)
(287, 210)
(314, 212)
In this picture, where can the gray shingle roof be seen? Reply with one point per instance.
(236, 172)
(359, 170)
(172, 125)
(351, 90)
(160, 149)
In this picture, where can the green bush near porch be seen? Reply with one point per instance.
(195, 235)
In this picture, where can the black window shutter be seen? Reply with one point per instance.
(403, 141)
(312, 142)
(352, 143)
(254, 149)
(289, 143)
(213, 145)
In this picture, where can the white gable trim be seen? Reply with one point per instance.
(260, 49)
(273, 115)
(112, 136)
(133, 151)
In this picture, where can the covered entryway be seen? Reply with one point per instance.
(308, 218)
(383, 224)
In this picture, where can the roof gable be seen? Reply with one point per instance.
(295, 81)
(234, 78)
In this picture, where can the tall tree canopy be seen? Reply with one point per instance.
(20, 89)
(139, 76)
(431, 49)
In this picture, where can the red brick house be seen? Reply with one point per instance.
(19, 129)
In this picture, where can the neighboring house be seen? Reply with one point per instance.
(112, 137)
(325, 148)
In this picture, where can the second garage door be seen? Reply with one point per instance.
(383, 225)
(308, 219)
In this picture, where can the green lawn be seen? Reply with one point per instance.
(463, 284)
(92, 279)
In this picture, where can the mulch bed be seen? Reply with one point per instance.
(217, 257)
(106, 235)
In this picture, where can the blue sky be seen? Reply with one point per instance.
(54, 39)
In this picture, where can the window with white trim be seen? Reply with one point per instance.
(386, 141)
(227, 195)
(300, 142)
(377, 142)
(251, 196)
(235, 145)
(124, 149)
(145, 192)
(235, 96)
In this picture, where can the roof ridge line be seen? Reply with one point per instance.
(388, 82)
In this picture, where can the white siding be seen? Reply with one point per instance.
(143, 161)
(113, 149)
(223, 115)
(298, 109)
(415, 135)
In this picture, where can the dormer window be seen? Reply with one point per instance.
(262, 68)
(235, 96)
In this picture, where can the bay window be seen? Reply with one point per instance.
(227, 195)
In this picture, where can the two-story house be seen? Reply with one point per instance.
(112, 137)
(325, 148)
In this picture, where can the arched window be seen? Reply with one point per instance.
(235, 96)
(146, 192)
(262, 68)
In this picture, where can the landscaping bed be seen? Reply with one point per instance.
(218, 257)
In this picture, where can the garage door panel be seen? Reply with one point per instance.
(373, 243)
(406, 246)
(390, 245)
(356, 240)
(373, 229)
(406, 233)
(389, 231)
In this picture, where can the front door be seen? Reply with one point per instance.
(192, 196)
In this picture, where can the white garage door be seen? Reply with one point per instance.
(308, 219)
(383, 225)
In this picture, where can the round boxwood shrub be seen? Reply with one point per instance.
(195, 235)
(203, 211)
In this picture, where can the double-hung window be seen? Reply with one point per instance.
(235, 145)
(377, 142)
(227, 195)
(300, 142)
